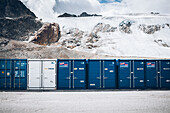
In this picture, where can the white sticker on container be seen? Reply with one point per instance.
(92, 84)
(81, 81)
(166, 68)
(120, 80)
(111, 71)
(75, 68)
(106, 69)
(147, 80)
(139, 68)
(8, 74)
(141, 81)
(82, 62)
(167, 80)
(81, 68)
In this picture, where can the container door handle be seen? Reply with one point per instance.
(135, 77)
(67, 77)
(75, 78)
(128, 77)
(98, 77)
(105, 77)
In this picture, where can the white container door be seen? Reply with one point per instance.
(34, 74)
(49, 74)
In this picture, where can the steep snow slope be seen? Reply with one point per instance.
(137, 44)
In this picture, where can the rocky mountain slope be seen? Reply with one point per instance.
(13, 9)
(17, 22)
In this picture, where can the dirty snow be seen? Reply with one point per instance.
(85, 102)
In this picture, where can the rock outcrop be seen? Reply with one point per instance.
(125, 25)
(17, 22)
(3, 42)
(85, 14)
(48, 34)
(67, 15)
(101, 27)
(18, 28)
(13, 9)
(150, 29)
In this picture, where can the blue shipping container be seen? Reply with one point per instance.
(157, 74)
(71, 74)
(13, 74)
(131, 74)
(101, 74)
(164, 73)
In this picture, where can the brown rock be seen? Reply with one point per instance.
(49, 33)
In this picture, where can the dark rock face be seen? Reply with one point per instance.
(18, 28)
(85, 14)
(125, 25)
(16, 20)
(3, 42)
(101, 27)
(49, 33)
(149, 29)
(67, 15)
(14, 8)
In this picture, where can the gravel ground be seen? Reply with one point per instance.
(85, 102)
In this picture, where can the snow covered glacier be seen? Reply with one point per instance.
(77, 31)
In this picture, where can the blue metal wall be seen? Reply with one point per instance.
(101, 74)
(164, 73)
(131, 74)
(152, 74)
(157, 74)
(13, 74)
(71, 74)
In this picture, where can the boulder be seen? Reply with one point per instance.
(48, 34)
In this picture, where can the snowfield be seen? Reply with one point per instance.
(85, 102)
(136, 44)
(115, 44)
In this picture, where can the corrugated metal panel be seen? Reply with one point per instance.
(42, 74)
(152, 78)
(72, 74)
(101, 74)
(131, 74)
(164, 73)
(13, 74)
